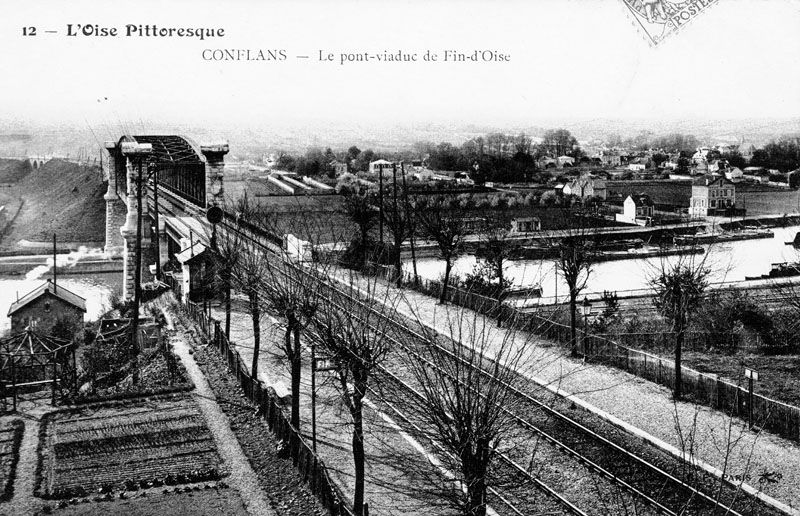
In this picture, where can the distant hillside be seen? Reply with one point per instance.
(62, 198)
(13, 170)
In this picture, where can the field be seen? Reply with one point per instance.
(10, 438)
(779, 375)
(763, 200)
(116, 447)
(60, 197)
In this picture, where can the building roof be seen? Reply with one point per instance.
(48, 288)
(29, 343)
(191, 252)
(641, 199)
(711, 181)
(380, 162)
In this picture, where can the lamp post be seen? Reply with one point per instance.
(586, 306)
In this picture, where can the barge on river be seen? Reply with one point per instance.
(723, 236)
(779, 270)
(539, 253)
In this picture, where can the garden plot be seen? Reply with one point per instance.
(125, 446)
(10, 438)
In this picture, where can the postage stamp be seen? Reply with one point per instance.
(659, 19)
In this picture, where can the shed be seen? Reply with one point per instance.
(46, 304)
(197, 262)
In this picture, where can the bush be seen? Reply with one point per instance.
(359, 253)
(483, 280)
(726, 315)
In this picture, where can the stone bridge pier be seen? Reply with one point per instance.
(190, 179)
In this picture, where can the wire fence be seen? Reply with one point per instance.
(772, 415)
(307, 463)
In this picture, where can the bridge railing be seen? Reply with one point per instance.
(309, 465)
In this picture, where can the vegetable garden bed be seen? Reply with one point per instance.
(124, 447)
(10, 439)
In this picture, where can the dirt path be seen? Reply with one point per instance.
(242, 477)
(400, 480)
(23, 501)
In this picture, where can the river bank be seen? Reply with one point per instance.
(68, 264)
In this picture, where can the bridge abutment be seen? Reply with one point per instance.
(136, 170)
(215, 169)
(115, 208)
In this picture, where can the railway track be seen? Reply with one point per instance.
(646, 482)
(665, 490)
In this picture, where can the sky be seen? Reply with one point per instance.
(569, 59)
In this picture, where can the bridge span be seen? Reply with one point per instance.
(180, 182)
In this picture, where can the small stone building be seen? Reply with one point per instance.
(45, 305)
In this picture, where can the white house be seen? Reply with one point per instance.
(734, 174)
(637, 209)
(380, 166)
(565, 161)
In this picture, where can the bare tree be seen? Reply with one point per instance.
(354, 334)
(398, 220)
(496, 238)
(227, 248)
(438, 222)
(291, 291)
(249, 270)
(467, 413)
(358, 202)
(575, 261)
(679, 287)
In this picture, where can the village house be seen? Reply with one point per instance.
(586, 186)
(711, 195)
(611, 159)
(338, 167)
(734, 174)
(758, 174)
(380, 166)
(637, 209)
(526, 224)
(44, 306)
(565, 161)
(546, 162)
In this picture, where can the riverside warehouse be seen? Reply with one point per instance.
(151, 30)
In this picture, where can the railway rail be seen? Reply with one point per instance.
(658, 488)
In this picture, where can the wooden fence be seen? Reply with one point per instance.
(772, 415)
(310, 466)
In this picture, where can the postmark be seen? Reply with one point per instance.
(659, 19)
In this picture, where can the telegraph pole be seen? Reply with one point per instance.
(380, 203)
(137, 275)
(154, 172)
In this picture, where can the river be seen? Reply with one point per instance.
(729, 261)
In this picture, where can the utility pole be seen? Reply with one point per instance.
(137, 275)
(380, 204)
(154, 172)
(55, 265)
(410, 222)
